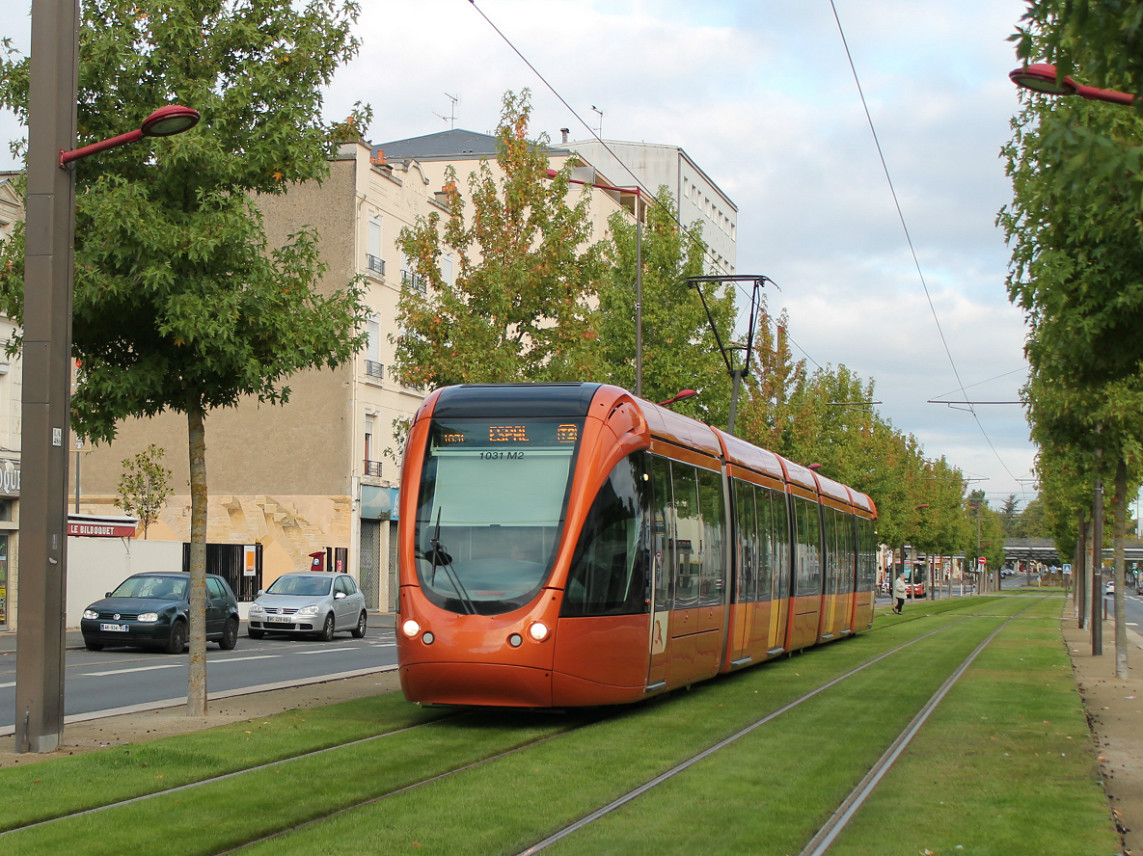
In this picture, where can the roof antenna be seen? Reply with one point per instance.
(599, 133)
(451, 118)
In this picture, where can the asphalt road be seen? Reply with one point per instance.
(121, 680)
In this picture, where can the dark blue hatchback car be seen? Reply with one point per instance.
(151, 610)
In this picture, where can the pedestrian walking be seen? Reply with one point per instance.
(899, 592)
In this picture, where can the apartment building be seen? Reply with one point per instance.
(463, 151)
(312, 482)
(315, 481)
(11, 212)
(652, 165)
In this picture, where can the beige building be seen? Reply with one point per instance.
(312, 481)
(316, 480)
(11, 212)
(699, 199)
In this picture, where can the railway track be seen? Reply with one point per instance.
(393, 781)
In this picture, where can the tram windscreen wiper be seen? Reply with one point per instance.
(438, 556)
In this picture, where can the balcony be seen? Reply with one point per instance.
(412, 281)
(375, 265)
(373, 468)
(374, 369)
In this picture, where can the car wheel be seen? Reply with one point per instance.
(253, 633)
(92, 646)
(327, 629)
(359, 630)
(229, 635)
(178, 639)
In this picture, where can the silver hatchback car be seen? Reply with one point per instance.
(309, 603)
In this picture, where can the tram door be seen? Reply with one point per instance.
(662, 528)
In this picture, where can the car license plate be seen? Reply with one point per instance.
(280, 619)
(114, 628)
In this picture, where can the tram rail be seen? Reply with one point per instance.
(515, 747)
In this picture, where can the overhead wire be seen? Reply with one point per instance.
(645, 192)
(650, 199)
(909, 241)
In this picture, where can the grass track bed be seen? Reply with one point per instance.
(766, 793)
(1005, 765)
(505, 806)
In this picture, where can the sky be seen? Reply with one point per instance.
(908, 291)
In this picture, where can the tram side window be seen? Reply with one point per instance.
(748, 539)
(712, 584)
(608, 573)
(662, 529)
(867, 555)
(780, 543)
(848, 553)
(688, 536)
(835, 551)
(808, 577)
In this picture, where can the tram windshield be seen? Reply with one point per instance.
(491, 506)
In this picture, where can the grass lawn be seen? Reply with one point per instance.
(1013, 723)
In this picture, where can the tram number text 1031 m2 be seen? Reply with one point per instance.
(500, 455)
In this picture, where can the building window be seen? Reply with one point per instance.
(446, 268)
(373, 365)
(373, 260)
(370, 466)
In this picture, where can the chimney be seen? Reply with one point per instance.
(564, 134)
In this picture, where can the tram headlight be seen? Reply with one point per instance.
(538, 631)
(410, 628)
(515, 640)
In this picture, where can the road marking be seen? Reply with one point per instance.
(244, 659)
(9, 684)
(129, 671)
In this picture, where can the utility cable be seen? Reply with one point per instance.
(909, 241)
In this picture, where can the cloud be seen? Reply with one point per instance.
(763, 97)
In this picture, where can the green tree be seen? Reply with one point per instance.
(520, 307)
(1076, 230)
(680, 350)
(1030, 521)
(144, 485)
(767, 411)
(179, 302)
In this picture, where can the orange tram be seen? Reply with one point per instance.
(568, 545)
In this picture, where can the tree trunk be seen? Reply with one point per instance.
(1079, 573)
(196, 677)
(1119, 572)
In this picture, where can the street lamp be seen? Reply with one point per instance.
(164, 122)
(45, 409)
(1045, 79)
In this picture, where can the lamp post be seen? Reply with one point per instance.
(48, 275)
(1045, 79)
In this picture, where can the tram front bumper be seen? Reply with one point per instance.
(483, 684)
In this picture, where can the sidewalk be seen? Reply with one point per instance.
(1115, 714)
